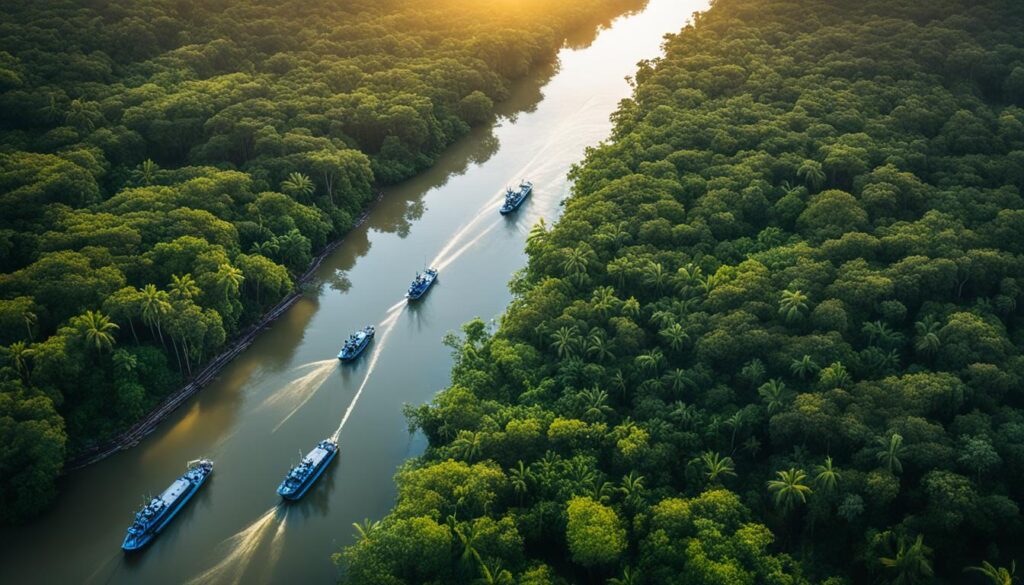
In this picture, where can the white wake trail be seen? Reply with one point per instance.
(244, 546)
(452, 257)
(386, 327)
(305, 387)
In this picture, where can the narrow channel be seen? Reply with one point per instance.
(287, 391)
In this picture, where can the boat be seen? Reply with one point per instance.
(305, 474)
(155, 515)
(513, 199)
(356, 343)
(421, 283)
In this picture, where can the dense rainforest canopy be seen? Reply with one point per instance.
(167, 167)
(776, 336)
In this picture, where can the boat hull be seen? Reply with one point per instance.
(141, 543)
(517, 203)
(304, 488)
(417, 295)
(352, 356)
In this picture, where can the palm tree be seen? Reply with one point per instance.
(997, 575)
(629, 577)
(598, 346)
(735, 422)
(651, 359)
(145, 173)
(675, 335)
(716, 467)
(229, 279)
(30, 319)
(678, 379)
(96, 329)
(655, 277)
(909, 564)
(466, 539)
(298, 186)
(753, 372)
(827, 476)
(631, 308)
(889, 455)
(19, 353)
(577, 262)
(835, 376)
(927, 341)
(619, 381)
(595, 405)
(662, 319)
(683, 412)
(812, 174)
(602, 492)
(709, 283)
(882, 333)
(793, 305)
(493, 574)
(775, 395)
(537, 233)
(467, 445)
(267, 248)
(603, 300)
(632, 488)
(790, 489)
(804, 367)
(80, 115)
(154, 307)
(688, 276)
(566, 341)
(184, 287)
(521, 478)
(581, 473)
(125, 361)
(365, 529)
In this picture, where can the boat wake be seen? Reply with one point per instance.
(442, 264)
(242, 548)
(302, 390)
(116, 559)
(386, 326)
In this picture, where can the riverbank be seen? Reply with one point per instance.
(168, 405)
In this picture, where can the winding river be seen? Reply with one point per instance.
(287, 391)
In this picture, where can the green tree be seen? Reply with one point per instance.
(793, 305)
(775, 395)
(908, 564)
(789, 490)
(890, 452)
(96, 329)
(826, 477)
(715, 467)
(594, 533)
(298, 186)
(184, 287)
(996, 575)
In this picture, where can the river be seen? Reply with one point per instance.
(287, 391)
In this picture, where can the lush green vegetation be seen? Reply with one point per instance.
(776, 336)
(168, 167)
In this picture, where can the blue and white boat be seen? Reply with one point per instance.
(356, 343)
(301, 477)
(513, 199)
(155, 515)
(421, 284)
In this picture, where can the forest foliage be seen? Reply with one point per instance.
(776, 336)
(168, 167)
